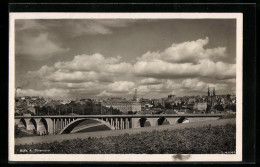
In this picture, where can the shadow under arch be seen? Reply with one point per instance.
(182, 120)
(68, 128)
(162, 121)
(144, 122)
(43, 126)
(130, 122)
(22, 123)
(32, 124)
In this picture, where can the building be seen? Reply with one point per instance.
(122, 104)
(64, 101)
(157, 102)
(145, 104)
(96, 107)
(136, 106)
(201, 106)
(171, 96)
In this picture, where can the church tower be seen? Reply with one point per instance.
(211, 96)
(135, 95)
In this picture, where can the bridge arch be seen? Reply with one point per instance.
(42, 127)
(162, 121)
(68, 128)
(144, 122)
(22, 123)
(32, 125)
(182, 120)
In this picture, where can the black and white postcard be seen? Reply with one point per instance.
(125, 87)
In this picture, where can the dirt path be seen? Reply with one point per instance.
(53, 138)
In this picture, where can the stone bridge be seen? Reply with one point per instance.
(63, 124)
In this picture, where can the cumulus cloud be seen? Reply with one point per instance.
(104, 93)
(33, 36)
(77, 76)
(42, 72)
(186, 52)
(46, 93)
(86, 74)
(93, 27)
(150, 81)
(95, 62)
(188, 59)
(83, 68)
(37, 47)
(183, 68)
(182, 87)
(164, 87)
(73, 27)
(28, 24)
(196, 85)
(121, 86)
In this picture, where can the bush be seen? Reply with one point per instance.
(17, 131)
(205, 140)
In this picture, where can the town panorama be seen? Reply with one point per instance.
(125, 86)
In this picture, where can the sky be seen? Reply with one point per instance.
(95, 58)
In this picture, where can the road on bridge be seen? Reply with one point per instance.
(53, 138)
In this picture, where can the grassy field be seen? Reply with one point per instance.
(203, 140)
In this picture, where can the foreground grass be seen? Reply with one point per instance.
(205, 140)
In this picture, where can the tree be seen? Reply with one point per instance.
(228, 96)
(37, 110)
(43, 111)
(17, 132)
(160, 105)
(233, 108)
(208, 108)
(168, 105)
(219, 107)
(130, 112)
(116, 111)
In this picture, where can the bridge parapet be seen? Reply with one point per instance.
(124, 116)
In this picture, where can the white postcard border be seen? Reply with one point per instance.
(127, 157)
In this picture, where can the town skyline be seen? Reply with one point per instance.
(120, 97)
(111, 58)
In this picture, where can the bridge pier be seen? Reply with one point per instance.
(126, 120)
(135, 123)
(172, 120)
(54, 126)
(121, 123)
(49, 122)
(117, 123)
(30, 124)
(17, 121)
(153, 121)
(21, 123)
(40, 127)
